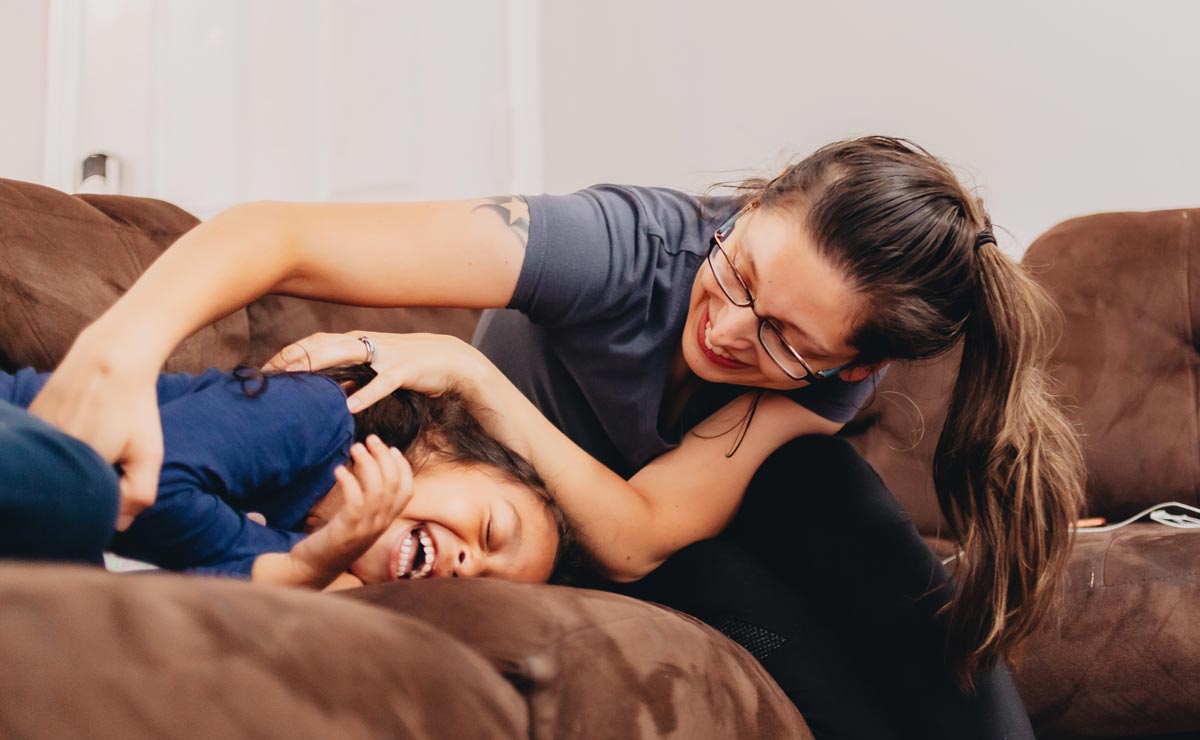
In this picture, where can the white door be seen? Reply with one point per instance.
(206, 103)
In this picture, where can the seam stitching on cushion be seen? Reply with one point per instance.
(106, 220)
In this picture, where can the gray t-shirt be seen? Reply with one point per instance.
(598, 315)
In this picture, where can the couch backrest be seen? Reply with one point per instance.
(65, 258)
(1128, 285)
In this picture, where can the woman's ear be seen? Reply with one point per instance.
(855, 373)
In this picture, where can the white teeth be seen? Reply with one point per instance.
(408, 551)
(430, 552)
(406, 557)
(715, 350)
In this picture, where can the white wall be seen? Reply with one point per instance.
(212, 102)
(1053, 109)
(22, 87)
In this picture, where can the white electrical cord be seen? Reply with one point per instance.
(1157, 513)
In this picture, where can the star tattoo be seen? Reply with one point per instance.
(513, 209)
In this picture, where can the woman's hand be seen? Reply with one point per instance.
(372, 497)
(108, 400)
(428, 363)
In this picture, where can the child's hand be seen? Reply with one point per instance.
(344, 581)
(372, 497)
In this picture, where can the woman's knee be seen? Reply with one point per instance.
(823, 478)
(817, 500)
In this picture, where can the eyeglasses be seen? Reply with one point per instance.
(769, 334)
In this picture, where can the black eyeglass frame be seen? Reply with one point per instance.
(764, 324)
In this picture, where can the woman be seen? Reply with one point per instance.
(271, 479)
(650, 324)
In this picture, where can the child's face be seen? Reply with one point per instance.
(464, 521)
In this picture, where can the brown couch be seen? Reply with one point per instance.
(94, 654)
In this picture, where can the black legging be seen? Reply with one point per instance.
(824, 579)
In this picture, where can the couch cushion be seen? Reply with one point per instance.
(1128, 285)
(1125, 658)
(601, 666)
(64, 259)
(101, 655)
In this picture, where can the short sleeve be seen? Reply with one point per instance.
(835, 399)
(592, 252)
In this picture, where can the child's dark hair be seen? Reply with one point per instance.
(442, 429)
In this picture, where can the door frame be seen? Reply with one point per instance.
(64, 74)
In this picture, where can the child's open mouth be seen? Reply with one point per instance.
(414, 555)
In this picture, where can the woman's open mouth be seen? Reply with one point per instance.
(414, 555)
(712, 353)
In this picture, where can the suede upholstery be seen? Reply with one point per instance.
(89, 654)
(1124, 660)
(66, 259)
(598, 665)
(1128, 285)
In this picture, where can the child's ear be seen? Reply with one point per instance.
(855, 373)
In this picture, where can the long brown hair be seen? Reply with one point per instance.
(1008, 467)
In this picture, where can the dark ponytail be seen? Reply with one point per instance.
(1008, 470)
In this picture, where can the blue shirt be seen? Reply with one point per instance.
(225, 454)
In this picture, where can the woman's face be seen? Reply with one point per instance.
(791, 283)
(464, 521)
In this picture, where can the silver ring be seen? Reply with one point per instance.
(372, 350)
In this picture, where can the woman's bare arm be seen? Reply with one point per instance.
(454, 253)
(686, 495)
(462, 253)
(630, 527)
